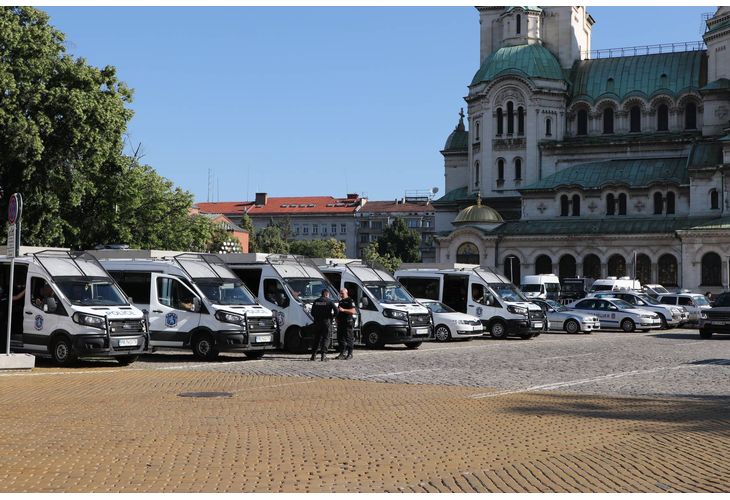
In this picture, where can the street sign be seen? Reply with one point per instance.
(12, 231)
(15, 208)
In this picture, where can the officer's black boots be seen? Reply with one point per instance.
(314, 355)
(341, 355)
(324, 358)
(349, 354)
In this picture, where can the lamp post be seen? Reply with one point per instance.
(511, 275)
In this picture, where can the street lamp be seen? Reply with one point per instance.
(511, 276)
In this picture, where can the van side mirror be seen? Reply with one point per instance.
(130, 299)
(364, 303)
(489, 300)
(50, 305)
(196, 304)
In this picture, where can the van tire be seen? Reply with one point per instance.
(498, 330)
(571, 326)
(62, 351)
(526, 335)
(628, 325)
(204, 347)
(254, 354)
(126, 360)
(413, 345)
(372, 338)
(442, 333)
(705, 333)
(293, 341)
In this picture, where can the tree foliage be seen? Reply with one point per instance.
(372, 255)
(329, 248)
(398, 240)
(271, 240)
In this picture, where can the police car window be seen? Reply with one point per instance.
(586, 304)
(438, 307)
(649, 300)
(702, 301)
(669, 300)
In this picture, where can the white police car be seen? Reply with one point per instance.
(617, 313)
(449, 324)
(560, 318)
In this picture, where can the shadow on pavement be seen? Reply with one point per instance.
(688, 336)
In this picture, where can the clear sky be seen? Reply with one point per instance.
(308, 100)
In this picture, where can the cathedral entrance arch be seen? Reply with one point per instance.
(467, 253)
(592, 266)
(616, 265)
(543, 265)
(667, 270)
(567, 267)
(643, 268)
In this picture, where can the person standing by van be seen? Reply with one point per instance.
(323, 310)
(346, 325)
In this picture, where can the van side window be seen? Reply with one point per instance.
(477, 293)
(274, 293)
(421, 288)
(685, 301)
(172, 293)
(356, 294)
(41, 294)
(135, 285)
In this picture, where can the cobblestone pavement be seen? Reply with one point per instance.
(608, 412)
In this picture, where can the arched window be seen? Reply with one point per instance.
(658, 204)
(518, 169)
(610, 204)
(690, 116)
(510, 118)
(548, 127)
(670, 202)
(608, 121)
(662, 118)
(576, 205)
(500, 170)
(667, 270)
(635, 119)
(592, 266)
(616, 265)
(643, 268)
(714, 200)
(467, 253)
(518, 27)
(476, 174)
(582, 122)
(564, 206)
(543, 265)
(500, 120)
(711, 270)
(520, 121)
(622, 204)
(512, 269)
(567, 267)
(476, 130)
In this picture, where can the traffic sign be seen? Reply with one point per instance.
(15, 208)
(12, 231)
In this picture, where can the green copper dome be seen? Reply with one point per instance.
(531, 61)
(478, 214)
(458, 140)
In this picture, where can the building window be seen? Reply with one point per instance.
(296, 229)
(667, 270)
(476, 130)
(567, 267)
(333, 228)
(592, 266)
(324, 229)
(622, 204)
(670, 203)
(305, 229)
(500, 170)
(714, 200)
(377, 225)
(512, 269)
(426, 223)
(343, 228)
(467, 253)
(576, 205)
(711, 270)
(315, 229)
(364, 238)
(543, 265)
(658, 204)
(413, 223)
(643, 268)
(582, 122)
(548, 127)
(500, 122)
(518, 169)
(635, 119)
(616, 265)
(608, 121)
(510, 118)
(690, 116)
(564, 206)
(476, 174)
(662, 118)
(518, 27)
(520, 121)
(610, 205)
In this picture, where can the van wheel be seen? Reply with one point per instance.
(204, 347)
(628, 325)
(126, 360)
(254, 354)
(63, 352)
(443, 333)
(293, 341)
(526, 335)
(498, 330)
(373, 339)
(413, 345)
(705, 333)
(572, 326)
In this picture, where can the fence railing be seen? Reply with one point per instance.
(640, 50)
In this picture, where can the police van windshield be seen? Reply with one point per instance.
(90, 291)
(225, 292)
(508, 292)
(309, 289)
(389, 293)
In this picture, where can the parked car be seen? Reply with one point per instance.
(671, 316)
(563, 319)
(692, 302)
(617, 313)
(450, 324)
(653, 290)
(717, 318)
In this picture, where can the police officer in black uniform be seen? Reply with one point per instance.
(323, 310)
(346, 325)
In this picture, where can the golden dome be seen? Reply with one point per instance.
(478, 214)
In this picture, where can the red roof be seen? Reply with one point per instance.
(393, 206)
(306, 205)
(223, 207)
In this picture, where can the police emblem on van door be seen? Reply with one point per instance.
(479, 311)
(170, 319)
(39, 322)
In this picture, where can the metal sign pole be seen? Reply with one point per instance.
(10, 305)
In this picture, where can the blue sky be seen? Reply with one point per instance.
(308, 100)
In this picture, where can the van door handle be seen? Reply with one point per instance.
(471, 305)
(29, 313)
(156, 311)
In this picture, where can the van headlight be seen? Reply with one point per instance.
(226, 317)
(89, 320)
(392, 313)
(522, 311)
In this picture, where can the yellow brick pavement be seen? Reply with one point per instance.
(103, 430)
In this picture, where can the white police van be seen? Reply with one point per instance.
(288, 285)
(540, 286)
(478, 291)
(67, 307)
(388, 313)
(193, 301)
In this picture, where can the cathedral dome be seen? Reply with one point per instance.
(478, 214)
(531, 61)
(458, 140)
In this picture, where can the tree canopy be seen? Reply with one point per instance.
(399, 241)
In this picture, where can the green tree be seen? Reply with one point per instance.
(400, 241)
(270, 240)
(372, 255)
(329, 248)
(247, 224)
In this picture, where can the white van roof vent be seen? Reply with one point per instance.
(625, 278)
(611, 277)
